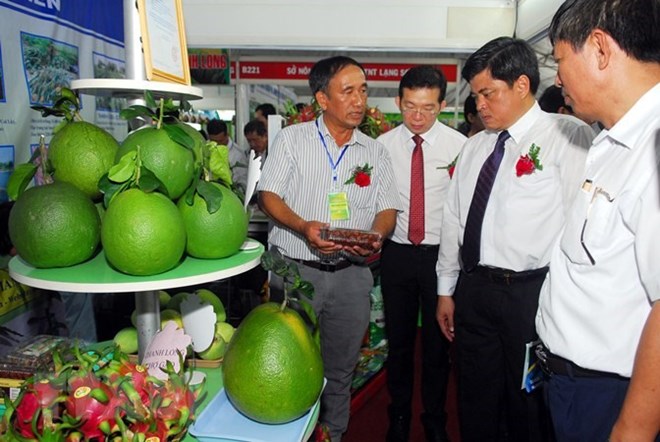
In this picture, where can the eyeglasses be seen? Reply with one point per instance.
(422, 112)
(597, 191)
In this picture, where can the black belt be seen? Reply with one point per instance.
(552, 364)
(506, 276)
(424, 247)
(325, 266)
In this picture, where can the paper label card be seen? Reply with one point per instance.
(169, 344)
(338, 205)
(199, 321)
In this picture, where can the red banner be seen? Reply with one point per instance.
(299, 70)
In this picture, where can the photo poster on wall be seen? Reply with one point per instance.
(44, 45)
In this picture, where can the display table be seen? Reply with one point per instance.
(97, 276)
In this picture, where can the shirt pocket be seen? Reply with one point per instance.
(586, 236)
(362, 198)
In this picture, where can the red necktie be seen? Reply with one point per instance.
(416, 228)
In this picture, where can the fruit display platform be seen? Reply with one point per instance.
(97, 276)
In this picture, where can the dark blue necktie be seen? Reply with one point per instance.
(471, 250)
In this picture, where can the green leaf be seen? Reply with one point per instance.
(48, 111)
(124, 169)
(219, 163)
(185, 105)
(150, 100)
(211, 194)
(149, 182)
(136, 111)
(306, 288)
(20, 179)
(109, 189)
(191, 190)
(178, 135)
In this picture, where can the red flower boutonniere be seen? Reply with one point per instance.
(528, 164)
(361, 175)
(450, 167)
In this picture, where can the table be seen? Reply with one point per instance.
(97, 276)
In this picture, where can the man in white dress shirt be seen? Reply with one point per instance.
(507, 203)
(599, 314)
(408, 278)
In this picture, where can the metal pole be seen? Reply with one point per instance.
(147, 306)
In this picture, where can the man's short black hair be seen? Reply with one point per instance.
(470, 106)
(255, 126)
(215, 127)
(266, 109)
(422, 77)
(633, 24)
(507, 59)
(552, 100)
(323, 71)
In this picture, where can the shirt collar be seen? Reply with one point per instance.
(627, 131)
(524, 123)
(355, 137)
(429, 136)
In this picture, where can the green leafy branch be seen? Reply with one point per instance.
(211, 165)
(23, 173)
(534, 152)
(66, 105)
(128, 173)
(162, 117)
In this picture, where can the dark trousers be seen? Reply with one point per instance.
(585, 409)
(493, 321)
(408, 282)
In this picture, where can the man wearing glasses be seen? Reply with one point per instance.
(422, 151)
(513, 185)
(599, 314)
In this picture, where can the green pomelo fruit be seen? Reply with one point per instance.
(168, 160)
(163, 299)
(216, 303)
(176, 300)
(272, 369)
(81, 153)
(55, 225)
(127, 340)
(216, 350)
(214, 235)
(170, 315)
(143, 233)
(226, 330)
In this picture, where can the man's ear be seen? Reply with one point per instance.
(443, 104)
(522, 86)
(397, 101)
(603, 45)
(321, 99)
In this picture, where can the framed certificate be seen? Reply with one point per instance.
(164, 40)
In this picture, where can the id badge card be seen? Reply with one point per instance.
(338, 206)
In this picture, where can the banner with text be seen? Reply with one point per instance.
(44, 45)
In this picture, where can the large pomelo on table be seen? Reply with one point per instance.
(143, 233)
(171, 162)
(272, 371)
(55, 225)
(81, 153)
(214, 235)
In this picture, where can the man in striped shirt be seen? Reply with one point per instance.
(326, 172)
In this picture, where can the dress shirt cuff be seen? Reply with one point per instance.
(446, 285)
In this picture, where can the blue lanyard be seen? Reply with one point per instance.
(333, 164)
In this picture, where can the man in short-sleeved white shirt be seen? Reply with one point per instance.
(599, 315)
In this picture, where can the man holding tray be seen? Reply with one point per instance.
(327, 172)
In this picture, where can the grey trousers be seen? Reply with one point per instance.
(341, 302)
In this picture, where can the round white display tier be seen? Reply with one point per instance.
(131, 89)
(97, 276)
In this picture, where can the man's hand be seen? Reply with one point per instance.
(360, 251)
(445, 316)
(312, 232)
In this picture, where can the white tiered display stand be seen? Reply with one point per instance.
(97, 276)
